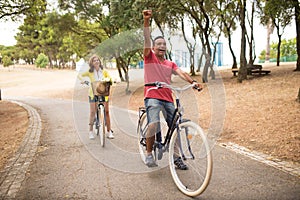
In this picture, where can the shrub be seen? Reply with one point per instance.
(42, 60)
(7, 61)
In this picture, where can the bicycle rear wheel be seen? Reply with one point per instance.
(190, 142)
(141, 131)
(101, 113)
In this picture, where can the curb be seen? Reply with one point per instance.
(15, 170)
(288, 167)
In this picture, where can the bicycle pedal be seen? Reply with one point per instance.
(160, 151)
(160, 154)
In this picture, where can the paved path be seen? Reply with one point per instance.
(68, 165)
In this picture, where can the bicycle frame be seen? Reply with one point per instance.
(176, 116)
(100, 100)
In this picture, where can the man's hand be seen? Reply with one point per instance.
(197, 86)
(147, 14)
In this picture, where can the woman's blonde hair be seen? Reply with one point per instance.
(91, 63)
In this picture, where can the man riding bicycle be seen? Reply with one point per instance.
(157, 68)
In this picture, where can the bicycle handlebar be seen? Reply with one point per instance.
(163, 84)
(86, 82)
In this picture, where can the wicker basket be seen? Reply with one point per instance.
(101, 88)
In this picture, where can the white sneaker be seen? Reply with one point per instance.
(110, 135)
(91, 135)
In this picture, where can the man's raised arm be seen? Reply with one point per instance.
(147, 41)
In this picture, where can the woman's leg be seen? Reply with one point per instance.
(92, 114)
(106, 105)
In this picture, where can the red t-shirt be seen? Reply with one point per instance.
(154, 70)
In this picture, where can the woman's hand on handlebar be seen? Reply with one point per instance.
(85, 82)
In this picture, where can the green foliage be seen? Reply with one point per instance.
(262, 55)
(7, 61)
(14, 9)
(10, 52)
(288, 51)
(121, 44)
(42, 60)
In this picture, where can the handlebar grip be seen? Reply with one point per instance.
(197, 88)
(151, 84)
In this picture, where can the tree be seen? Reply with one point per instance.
(115, 19)
(251, 41)
(27, 38)
(203, 13)
(191, 45)
(228, 14)
(281, 13)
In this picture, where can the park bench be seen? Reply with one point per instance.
(252, 69)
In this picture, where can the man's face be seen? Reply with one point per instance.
(160, 47)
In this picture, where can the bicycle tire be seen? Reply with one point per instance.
(101, 129)
(96, 123)
(141, 132)
(193, 181)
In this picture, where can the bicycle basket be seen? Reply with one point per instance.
(101, 88)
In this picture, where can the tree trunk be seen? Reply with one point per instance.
(208, 59)
(298, 98)
(119, 67)
(297, 20)
(270, 28)
(234, 65)
(200, 61)
(251, 39)
(278, 49)
(205, 70)
(242, 75)
(191, 48)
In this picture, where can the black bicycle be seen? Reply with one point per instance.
(183, 138)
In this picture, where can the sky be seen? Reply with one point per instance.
(8, 30)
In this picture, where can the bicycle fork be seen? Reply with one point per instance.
(187, 143)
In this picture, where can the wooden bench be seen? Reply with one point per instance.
(260, 72)
(235, 71)
(252, 69)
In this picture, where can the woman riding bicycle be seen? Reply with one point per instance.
(157, 68)
(96, 73)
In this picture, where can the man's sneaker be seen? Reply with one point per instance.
(180, 164)
(110, 135)
(149, 161)
(91, 135)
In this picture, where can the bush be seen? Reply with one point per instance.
(7, 61)
(42, 60)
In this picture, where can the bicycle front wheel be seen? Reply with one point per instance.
(101, 129)
(190, 143)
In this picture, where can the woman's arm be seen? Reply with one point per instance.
(81, 76)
